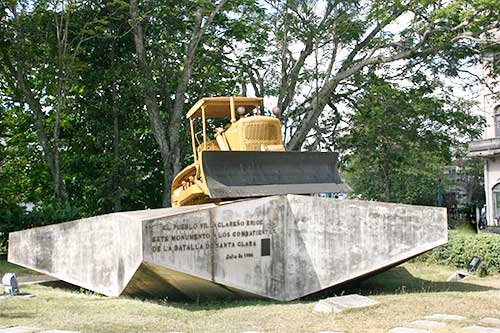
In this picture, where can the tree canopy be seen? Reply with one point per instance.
(93, 93)
(400, 139)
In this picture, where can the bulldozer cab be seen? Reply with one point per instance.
(241, 133)
(247, 158)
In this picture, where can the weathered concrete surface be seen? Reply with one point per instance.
(491, 321)
(445, 317)
(341, 303)
(281, 247)
(407, 330)
(19, 329)
(428, 323)
(481, 329)
(457, 276)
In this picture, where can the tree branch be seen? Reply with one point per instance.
(318, 102)
(176, 115)
(349, 59)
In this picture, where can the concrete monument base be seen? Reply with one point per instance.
(280, 247)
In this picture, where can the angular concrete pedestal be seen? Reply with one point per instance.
(281, 247)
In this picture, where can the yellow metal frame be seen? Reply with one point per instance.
(189, 187)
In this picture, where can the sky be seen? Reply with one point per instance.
(456, 84)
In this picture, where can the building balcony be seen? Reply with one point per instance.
(484, 148)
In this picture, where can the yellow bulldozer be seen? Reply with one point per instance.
(246, 157)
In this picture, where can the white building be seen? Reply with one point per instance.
(489, 147)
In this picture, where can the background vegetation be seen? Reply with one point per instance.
(463, 246)
(93, 93)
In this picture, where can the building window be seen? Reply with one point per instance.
(497, 121)
(496, 200)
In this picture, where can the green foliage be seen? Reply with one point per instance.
(399, 140)
(11, 219)
(16, 217)
(461, 247)
(7, 267)
(109, 161)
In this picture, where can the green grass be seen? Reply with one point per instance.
(405, 293)
(463, 244)
(7, 267)
(465, 227)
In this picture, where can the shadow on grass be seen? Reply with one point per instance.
(217, 304)
(7, 267)
(397, 280)
(16, 315)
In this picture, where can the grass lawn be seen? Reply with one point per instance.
(406, 293)
(7, 267)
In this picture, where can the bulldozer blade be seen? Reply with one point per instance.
(240, 174)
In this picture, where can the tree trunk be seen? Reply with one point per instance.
(151, 102)
(180, 93)
(117, 165)
(243, 82)
(18, 75)
(49, 154)
(60, 189)
(117, 189)
(312, 113)
(62, 28)
(170, 149)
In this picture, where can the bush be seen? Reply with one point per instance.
(462, 247)
(14, 218)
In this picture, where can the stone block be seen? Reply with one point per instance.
(428, 323)
(407, 330)
(341, 303)
(442, 316)
(279, 247)
(19, 329)
(491, 321)
(457, 276)
(481, 329)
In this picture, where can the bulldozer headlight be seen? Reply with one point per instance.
(241, 110)
(276, 111)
